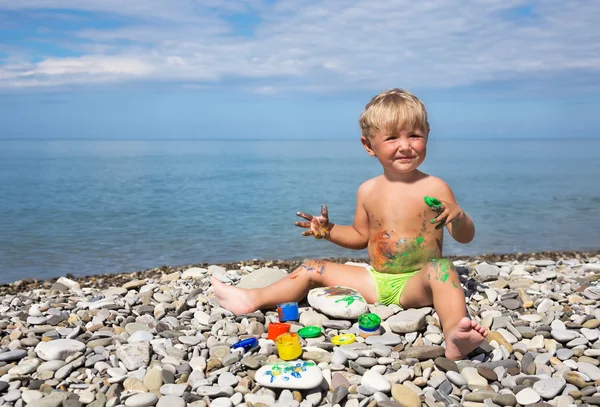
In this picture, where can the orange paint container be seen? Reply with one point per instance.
(276, 329)
(288, 346)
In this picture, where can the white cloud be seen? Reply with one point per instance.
(319, 44)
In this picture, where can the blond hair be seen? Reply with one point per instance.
(392, 111)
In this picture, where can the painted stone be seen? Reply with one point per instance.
(338, 302)
(297, 375)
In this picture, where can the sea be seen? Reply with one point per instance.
(92, 207)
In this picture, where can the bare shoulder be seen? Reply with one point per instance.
(437, 187)
(368, 186)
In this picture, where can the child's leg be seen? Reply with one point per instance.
(295, 286)
(437, 284)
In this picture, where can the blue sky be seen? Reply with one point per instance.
(108, 69)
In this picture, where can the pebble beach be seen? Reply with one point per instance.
(159, 338)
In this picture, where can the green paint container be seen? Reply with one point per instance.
(309, 332)
(369, 324)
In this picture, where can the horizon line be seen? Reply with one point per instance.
(293, 139)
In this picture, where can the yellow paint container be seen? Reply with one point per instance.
(288, 346)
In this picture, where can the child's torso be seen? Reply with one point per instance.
(401, 236)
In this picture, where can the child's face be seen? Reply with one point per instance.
(398, 152)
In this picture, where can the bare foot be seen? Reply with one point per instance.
(466, 336)
(237, 300)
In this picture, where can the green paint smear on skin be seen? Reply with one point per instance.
(442, 268)
(454, 284)
(407, 256)
(432, 202)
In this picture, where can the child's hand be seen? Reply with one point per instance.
(319, 226)
(447, 212)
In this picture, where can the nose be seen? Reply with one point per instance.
(403, 145)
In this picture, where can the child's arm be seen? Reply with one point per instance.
(356, 236)
(351, 237)
(450, 214)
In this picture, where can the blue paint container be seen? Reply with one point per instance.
(288, 311)
(247, 344)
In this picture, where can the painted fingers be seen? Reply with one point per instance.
(318, 226)
(447, 212)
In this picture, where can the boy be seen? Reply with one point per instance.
(394, 221)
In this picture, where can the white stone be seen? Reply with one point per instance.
(29, 396)
(456, 378)
(590, 334)
(59, 349)
(194, 273)
(375, 381)
(294, 375)
(487, 270)
(491, 294)
(549, 388)
(338, 302)
(591, 371)
(473, 377)
(527, 396)
(408, 321)
(140, 336)
(175, 401)
(531, 317)
(537, 342)
(141, 400)
(201, 317)
(134, 355)
(51, 366)
(563, 335)
(544, 305)
(25, 367)
(70, 284)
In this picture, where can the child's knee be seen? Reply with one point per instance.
(441, 270)
(312, 269)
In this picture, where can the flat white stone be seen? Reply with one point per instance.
(408, 321)
(527, 396)
(375, 381)
(549, 388)
(473, 377)
(141, 400)
(140, 336)
(338, 302)
(194, 273)
(591, 371)
(51, 366)
(59, 349)
(563, 335)
(70, 284)
(294, 375)
(134, 355)
(456, 378)
(175, 401)
(25, 367)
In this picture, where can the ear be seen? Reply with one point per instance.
(367, 145)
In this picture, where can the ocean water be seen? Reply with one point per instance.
(88, 207)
